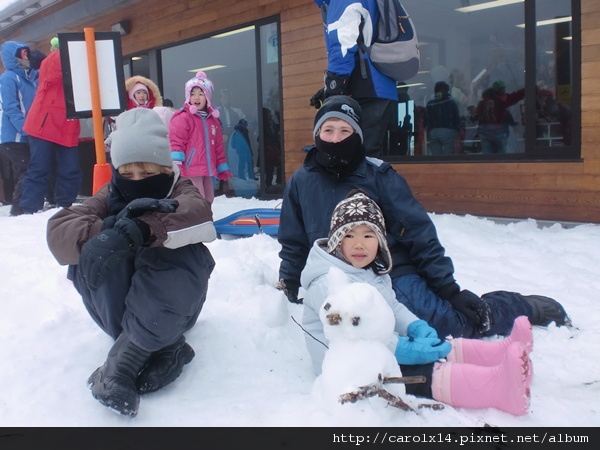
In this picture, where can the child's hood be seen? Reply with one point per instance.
(155, 98)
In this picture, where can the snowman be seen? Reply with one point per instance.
(359, 325)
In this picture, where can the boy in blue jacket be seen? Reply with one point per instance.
(422, 274)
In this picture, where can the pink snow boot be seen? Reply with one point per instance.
(504, 386)
(486, 353)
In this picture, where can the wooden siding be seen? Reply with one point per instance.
(545, 190)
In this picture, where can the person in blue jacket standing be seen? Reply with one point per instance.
(443, 122)
(346, 22)
(18, 85)
(422, 274)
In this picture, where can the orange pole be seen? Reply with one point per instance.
(102, 172)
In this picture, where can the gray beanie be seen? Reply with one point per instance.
(140, 136)
(340, 107)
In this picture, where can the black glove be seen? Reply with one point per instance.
(104, 252)
(335, 85)
(290, 290)
(109, 222)
(317, 99)
(473, 308)
(139, 206)
(136, 230)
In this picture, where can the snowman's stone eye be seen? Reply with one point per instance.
(355, 321)
(327, 306)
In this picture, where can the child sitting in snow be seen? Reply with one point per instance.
(137, 258)
(477, 374)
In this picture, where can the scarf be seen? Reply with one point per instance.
(339, 158)
(124, 190)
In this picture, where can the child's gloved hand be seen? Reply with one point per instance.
(317, 99)
(290, 290)
(101, 254)
(104, 252)
(476, 310)
(420, 350)
(420, 329)
(225, 175)
(139, 206)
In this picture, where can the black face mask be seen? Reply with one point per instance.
(339, 157)
(124, 190)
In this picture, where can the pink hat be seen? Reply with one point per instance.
(138, 87)
(201, 81)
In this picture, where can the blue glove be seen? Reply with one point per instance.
(420, 329)
(420, 350)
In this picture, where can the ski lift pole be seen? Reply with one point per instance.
(102, 171)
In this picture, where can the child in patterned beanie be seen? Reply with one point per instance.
(475, 373)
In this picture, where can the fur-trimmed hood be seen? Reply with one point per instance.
(155, 99)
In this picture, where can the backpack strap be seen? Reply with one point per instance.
(324, 13)
(362, 49)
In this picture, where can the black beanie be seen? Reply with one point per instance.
(339, 107)
(35, 59)
(442, 87)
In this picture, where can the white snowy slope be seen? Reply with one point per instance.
(251, 367)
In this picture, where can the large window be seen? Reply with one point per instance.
(510, 69)
(244, 65)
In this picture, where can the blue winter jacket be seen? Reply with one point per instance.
(342, 31)
(17, 90)
(310, 197)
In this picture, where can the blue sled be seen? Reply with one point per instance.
(249, 222)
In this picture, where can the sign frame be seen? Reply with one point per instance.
(76, 78)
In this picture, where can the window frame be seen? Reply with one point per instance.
(532, 152)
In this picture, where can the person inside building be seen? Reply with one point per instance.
(443, 122)
(422, 274)
(491, 112)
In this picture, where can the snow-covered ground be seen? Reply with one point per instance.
(251, 367)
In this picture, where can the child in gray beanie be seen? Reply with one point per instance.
(137, 257)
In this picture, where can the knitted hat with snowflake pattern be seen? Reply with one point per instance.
(207, 86)
(358, 209)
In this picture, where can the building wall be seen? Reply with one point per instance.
(561, 191)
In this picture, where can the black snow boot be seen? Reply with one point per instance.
(113, 384)
(165, 366)
(546, 310)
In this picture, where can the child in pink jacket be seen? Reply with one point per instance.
(196, 137)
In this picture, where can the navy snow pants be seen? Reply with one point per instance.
(412, 291)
